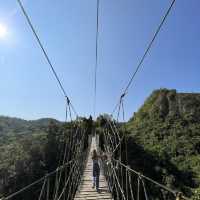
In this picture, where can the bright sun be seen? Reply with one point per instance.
(3, 31)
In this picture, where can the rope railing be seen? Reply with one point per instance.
(38, 181)
(143, 177)
(67, 176)
(112, 177)
(125, 182)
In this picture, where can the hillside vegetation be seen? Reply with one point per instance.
(22, 152)
(9, 125)
(164, 139)
(30, 149)
(163, 143)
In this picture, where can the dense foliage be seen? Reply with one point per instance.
(10, 126)
(163, 142)
(164, 139)
(28, 155)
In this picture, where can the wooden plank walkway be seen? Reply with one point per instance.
(85, 190)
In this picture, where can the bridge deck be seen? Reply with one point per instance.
(85, 190)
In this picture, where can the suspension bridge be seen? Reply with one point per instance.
(73, 177)
(85, 191)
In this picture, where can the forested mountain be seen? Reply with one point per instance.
(163, 143)
(22, 151)
(30, 149)
(9, 125)
(164, 139)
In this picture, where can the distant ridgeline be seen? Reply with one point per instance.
(163, 143)
(30, 149)
(10, 125)
(164, 139)
(22, 151)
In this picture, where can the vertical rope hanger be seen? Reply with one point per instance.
(96, 57)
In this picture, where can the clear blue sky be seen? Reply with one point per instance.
(67, 29)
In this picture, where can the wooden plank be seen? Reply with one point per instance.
(85, 191)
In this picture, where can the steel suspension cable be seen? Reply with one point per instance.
(96, 56)
(28, 19)
(146, 52)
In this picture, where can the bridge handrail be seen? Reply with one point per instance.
(174, 192)
(39, 180)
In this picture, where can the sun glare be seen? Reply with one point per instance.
(3, 31)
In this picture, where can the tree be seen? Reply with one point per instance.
(196, 194)
(52, 147)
